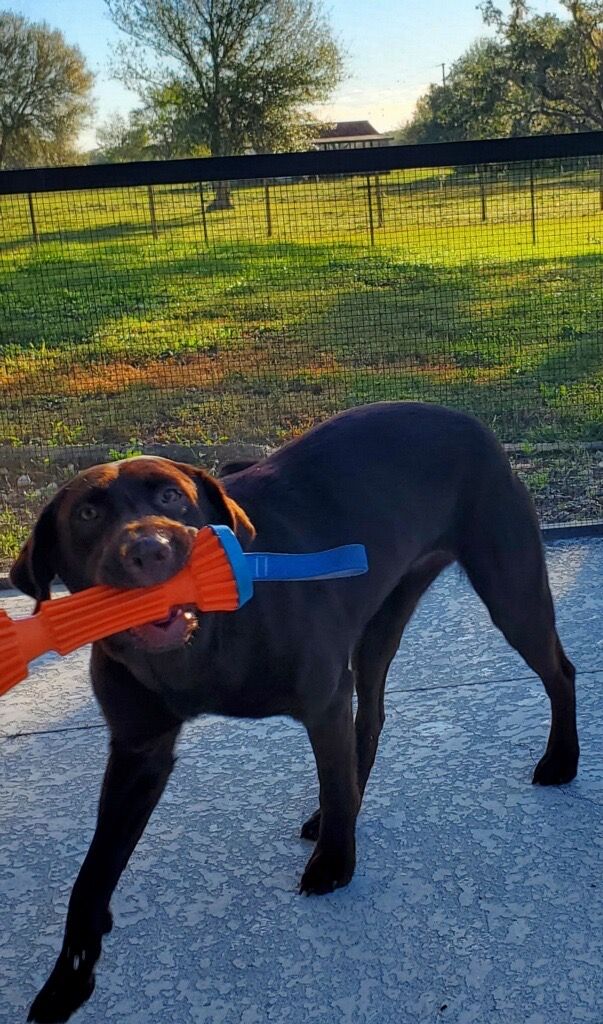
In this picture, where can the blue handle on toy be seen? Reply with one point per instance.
(333, 564)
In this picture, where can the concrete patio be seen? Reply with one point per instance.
(477, 898)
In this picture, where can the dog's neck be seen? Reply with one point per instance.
(207, 675)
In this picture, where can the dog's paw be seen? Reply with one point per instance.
(556, 768)
(311, 827)
(72, 980)
(70, 984)
(327, 870)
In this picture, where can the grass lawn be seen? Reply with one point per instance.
(110, 334)
(256, 323)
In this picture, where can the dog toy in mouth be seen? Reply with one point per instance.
(218, 577)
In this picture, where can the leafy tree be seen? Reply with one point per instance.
(556, 64)
(122, 139)
(162, 129)
(541, 73)
(44, 94)
(470, 104)
(240, 72)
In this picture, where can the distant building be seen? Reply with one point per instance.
(350, 135)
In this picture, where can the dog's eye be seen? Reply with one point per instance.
(170, 495)
(87, 512)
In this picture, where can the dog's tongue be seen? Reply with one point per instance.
(162, 634)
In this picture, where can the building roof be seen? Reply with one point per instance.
(348, 130)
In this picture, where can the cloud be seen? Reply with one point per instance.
(384, 108)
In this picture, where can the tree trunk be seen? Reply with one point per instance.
(218, 147)
(222, 199)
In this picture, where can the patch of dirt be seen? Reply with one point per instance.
(566, 485)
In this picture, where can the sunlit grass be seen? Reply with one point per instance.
(117, 335)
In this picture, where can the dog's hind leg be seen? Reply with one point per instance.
(504, 559)
(371, 663)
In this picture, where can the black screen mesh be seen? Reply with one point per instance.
(139, 316)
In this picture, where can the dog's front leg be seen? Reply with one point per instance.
(134, 781)
(333, 741)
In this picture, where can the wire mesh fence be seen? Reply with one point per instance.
(192, 314)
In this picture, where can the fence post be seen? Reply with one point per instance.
(369, 195)
(203, 217)
(532, 203)
(152, 211)
(482, 192)
(268, 210)
(379, 197)
(32, 215)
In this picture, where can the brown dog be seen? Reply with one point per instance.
(419, 486)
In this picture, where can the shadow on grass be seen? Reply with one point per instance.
(494, 340)
(59, 298)
(511, 178)
(86, 234)
(83, 235)
(502, 341)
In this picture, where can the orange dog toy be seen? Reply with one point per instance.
(207, 581)
(218, 577)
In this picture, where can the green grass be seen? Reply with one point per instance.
(108, 334)
(13, 533)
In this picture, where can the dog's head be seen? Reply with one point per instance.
(126, 524)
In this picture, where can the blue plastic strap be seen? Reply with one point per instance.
(334, 564)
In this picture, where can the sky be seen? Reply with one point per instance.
(395, 48)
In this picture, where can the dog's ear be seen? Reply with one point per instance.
(36, 565)
(222, 508)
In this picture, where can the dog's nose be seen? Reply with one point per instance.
(150, 559)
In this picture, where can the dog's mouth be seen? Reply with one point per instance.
(169, 633)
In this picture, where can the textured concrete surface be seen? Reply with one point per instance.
(477, 896)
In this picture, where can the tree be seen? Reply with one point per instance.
(44, 94)
(541, 73)
(469, 105)
(242, 72)
(122, 139)
(556, 64)
(162, 129)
